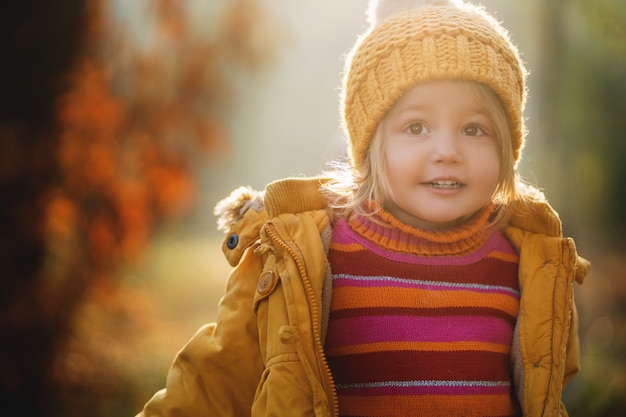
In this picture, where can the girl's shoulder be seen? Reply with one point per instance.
(534, 225)
(532, 213)
(242, 214)
(295, 195)
(288, 195)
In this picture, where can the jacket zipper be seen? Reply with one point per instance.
(274, 235)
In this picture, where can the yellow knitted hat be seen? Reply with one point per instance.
(427, 43)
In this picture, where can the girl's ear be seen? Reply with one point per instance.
(381, 10)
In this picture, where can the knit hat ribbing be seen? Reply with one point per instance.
(457, 41)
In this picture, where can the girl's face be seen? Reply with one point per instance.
(441, 156)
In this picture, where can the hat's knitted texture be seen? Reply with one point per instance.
(429, 44)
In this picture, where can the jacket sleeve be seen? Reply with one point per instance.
(217, 371)
(535, 230)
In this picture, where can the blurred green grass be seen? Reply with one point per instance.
(125, 337)
(184, 279)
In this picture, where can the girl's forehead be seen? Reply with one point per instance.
(449, 94)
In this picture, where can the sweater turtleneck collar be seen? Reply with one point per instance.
(386, 231)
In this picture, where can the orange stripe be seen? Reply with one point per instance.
(419, 346)
(348, 247)
(428, 405)
(506, 257)
(354, 297)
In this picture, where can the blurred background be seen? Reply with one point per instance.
(123, 123)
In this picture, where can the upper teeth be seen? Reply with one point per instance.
(445, 183)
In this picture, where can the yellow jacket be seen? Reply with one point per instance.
(264, 355)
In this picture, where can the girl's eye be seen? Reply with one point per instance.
(474, 130)
(417, 128)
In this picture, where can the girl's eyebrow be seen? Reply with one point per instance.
(483, 113)
(470, 111)
(416, 107)
(478, 108)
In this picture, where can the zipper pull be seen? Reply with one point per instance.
(263, 248)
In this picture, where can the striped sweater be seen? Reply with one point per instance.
(421, 322)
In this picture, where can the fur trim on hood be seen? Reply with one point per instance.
(232, 208)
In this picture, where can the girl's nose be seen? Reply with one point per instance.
(446, 148)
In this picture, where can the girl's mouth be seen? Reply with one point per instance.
(444, 184)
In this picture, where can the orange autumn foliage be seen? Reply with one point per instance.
(136, 120)
(133, 123)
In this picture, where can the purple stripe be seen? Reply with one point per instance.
(361, 330)
(392, 282)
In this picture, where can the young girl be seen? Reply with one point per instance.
(425, 279)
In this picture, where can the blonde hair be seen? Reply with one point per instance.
(352, 190)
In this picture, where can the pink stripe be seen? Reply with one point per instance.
(375, 329)
(342, 234)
